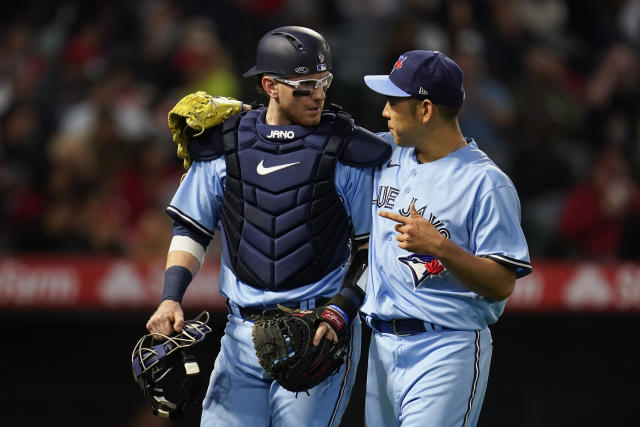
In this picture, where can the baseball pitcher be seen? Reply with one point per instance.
(446, 248)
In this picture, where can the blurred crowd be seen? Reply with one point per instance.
(87, 164)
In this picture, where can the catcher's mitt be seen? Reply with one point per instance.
(284, 346)
(195, 113)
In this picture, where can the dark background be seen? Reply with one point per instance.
(73, 369)
(87, 166)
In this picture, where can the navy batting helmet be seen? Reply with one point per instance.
(291, 51)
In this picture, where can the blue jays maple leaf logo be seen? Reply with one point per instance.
(398, 63)
(422, 267)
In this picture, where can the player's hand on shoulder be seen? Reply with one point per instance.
(167, 319)
(415, 233)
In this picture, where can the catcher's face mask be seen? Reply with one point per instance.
(165, 370)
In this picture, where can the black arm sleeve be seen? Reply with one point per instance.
(350, 297)
(183, 229)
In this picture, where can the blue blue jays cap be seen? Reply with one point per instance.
(424, 74)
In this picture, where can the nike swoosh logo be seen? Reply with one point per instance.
(390, 165)
(265, 171)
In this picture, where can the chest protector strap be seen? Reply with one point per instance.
(284, 223)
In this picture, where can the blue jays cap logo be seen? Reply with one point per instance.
(398, 63)
(422, 267)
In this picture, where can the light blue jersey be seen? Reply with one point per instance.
(198, 201)
(439, 376)
(470, 201)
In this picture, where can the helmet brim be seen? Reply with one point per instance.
(253, 71)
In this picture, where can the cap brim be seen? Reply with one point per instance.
(383, 85)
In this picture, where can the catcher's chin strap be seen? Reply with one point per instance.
(189, 390)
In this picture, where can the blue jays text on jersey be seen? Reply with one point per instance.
(386, 197)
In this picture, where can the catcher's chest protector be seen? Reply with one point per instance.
(284, 223)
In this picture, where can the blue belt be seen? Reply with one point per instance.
(403, 327)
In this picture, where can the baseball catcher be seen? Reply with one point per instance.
(288, 186)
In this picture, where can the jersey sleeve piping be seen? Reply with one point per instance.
(522, 267)
(178, 215)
